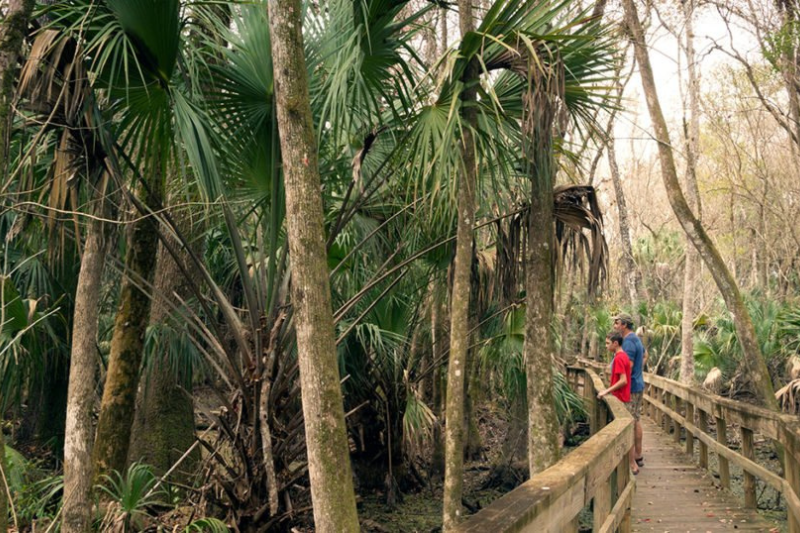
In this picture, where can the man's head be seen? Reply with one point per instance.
(623, 322)
(614, 341)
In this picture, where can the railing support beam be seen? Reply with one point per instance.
(748, 450)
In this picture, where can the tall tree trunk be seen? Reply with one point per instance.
(460, 295)
(163, 427)
(437, 348)
(631, 273)
(753, 358)
(127, 342)
(692, 264)
(77, 509)
(472, 437)
(326, 434)
(541, 106)
(13, 29)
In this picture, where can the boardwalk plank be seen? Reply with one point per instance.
(674, 495)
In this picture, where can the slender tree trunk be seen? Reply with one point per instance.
(77, 509)
(127, 342)
(472, 441)
(692, 264)
(540, 113)
(631, 273)
(13, 29)
(163, 427)
(326, 434)
(437, 348)
(460, 295)
(753, 358)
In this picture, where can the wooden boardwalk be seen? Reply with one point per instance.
(674, 495)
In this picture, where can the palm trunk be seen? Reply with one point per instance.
(127, 342)
(13, 29)
(540, 114)
(77, 509)
(460, 297)
(326, 434)
(753, 358)
(163, 427)
(692, 265)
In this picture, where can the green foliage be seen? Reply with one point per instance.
(502, 356)
(207, 525)
(131, 495)
(36, 495)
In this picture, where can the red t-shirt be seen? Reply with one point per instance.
(621, 365)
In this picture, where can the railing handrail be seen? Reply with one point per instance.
(780, 427)
(552, 500)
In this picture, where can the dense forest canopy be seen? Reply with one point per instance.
(278, 266)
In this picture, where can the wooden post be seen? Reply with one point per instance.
(574, 525)
(676, 425)
(724, 469)
(689, 434)
(664, 418)
(601, 504)
(647, 408)
(702, 425)
(590, 396)
(623, 477)
(602, 414)
(750, 499)
(791, 469)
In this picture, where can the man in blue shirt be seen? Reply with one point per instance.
(632, 345)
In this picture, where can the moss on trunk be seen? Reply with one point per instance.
(127, 342)
(541, 105)
(163, 426)
(329, 467)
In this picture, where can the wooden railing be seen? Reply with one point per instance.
(597, 472)
(686, 411)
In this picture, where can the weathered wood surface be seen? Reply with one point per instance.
(672, 494)
(663, 401)
(552, 500)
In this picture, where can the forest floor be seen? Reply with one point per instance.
(421, 512)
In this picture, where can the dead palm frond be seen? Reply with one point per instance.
(578, 227)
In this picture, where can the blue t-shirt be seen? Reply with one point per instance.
(635, 350)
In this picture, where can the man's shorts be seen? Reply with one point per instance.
(635, 405)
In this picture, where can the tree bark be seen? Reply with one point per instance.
(753, 358)
(631, 273)
(692, 264)
(77, 508)
(163, 427)
(13, 29)
(460, 295)
(127, 342)
(326, 438)
(540, 113)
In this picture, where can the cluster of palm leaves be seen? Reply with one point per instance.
(166, 108)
